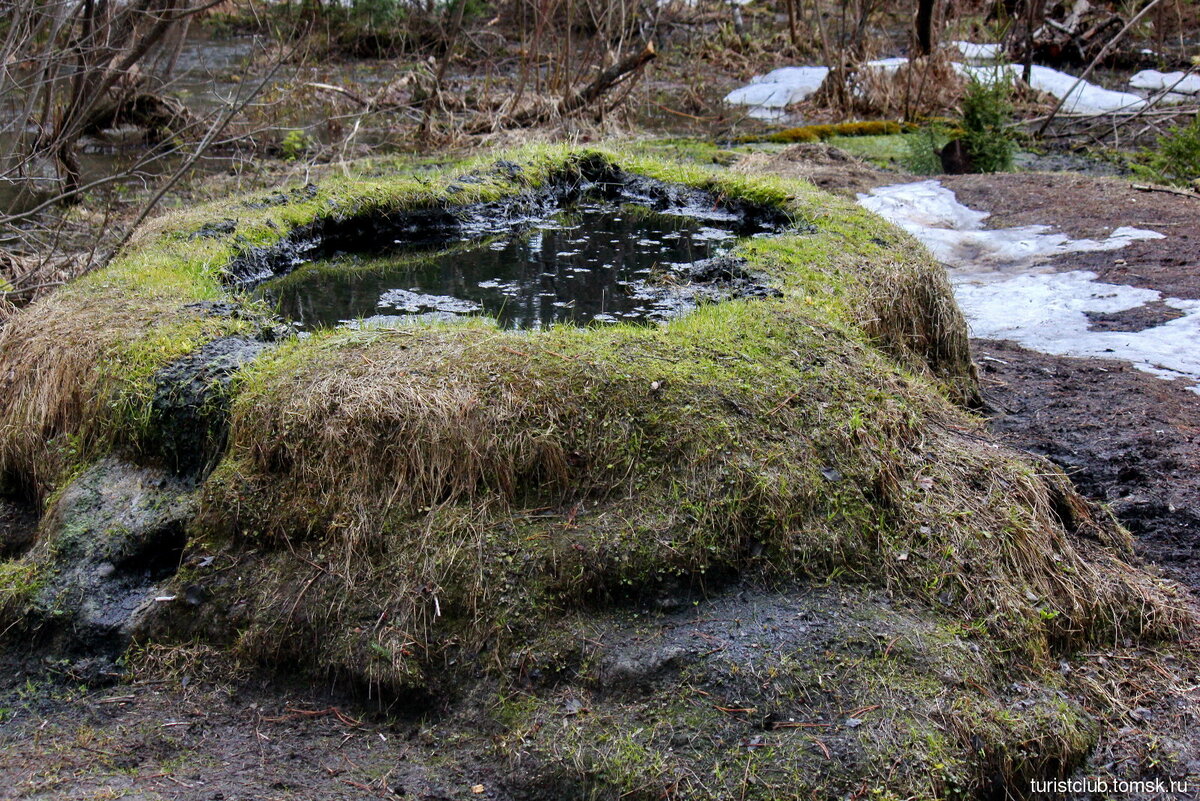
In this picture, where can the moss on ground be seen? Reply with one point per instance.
(784, 700)
(20, 581)
(411, 505)
(821, 133)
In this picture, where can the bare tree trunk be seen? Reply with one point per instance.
(1033, 15)
(924, 26)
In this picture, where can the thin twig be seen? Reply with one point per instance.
(1095, 61)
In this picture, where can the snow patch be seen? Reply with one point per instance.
(1177, 82)
(955, 234)
(1086, 98)
(1048, 313)
(1006, 294)
(974, 51)
(767, 95)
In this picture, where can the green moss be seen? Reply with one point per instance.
(820, 133)
(125, 323)
(20, 581)
(396, 494)
(859, 699)
(882, 151)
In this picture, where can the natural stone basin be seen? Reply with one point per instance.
(612, 248)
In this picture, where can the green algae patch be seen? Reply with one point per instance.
(416, 505)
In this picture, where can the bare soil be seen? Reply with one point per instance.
(196, 741)
(1085, 206)
(1126, 437)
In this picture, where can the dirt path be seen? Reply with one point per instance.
(1126, 437)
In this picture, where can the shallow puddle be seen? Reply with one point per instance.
(595, 262)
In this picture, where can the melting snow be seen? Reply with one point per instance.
(1177, 82)
(973, 51)
(956, 236)
(1006, 294)
(1087, 98)
(767, 95)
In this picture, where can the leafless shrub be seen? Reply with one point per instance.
(88, 70)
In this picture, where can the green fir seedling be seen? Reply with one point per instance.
(986, 114)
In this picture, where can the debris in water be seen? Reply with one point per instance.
(600, 262)
(417, 303)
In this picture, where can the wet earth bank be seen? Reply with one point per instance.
(1126, 437)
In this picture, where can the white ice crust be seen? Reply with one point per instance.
(1006, 291)
(767, 95)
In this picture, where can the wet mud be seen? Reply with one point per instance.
(1126, 437)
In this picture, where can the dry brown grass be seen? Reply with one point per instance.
(71, 361)
(466, 487)
(924, 87)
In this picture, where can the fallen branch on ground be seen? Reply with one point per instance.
(1167, 189)
(544, 112)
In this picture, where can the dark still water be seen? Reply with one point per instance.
(599, 262)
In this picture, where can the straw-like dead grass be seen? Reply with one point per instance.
(415, 506)
(923, 87)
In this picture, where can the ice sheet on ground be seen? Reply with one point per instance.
(778, 89)
(1006, 293)
(1177, 82)
(1086, 98)
(767, 95)
(955, 234)
(1048, 313)
(975, 51)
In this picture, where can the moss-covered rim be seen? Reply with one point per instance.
(412, 507)
(587, 176)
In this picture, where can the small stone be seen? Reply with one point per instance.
(853, 723)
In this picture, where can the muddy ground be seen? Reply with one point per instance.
(1128, 438)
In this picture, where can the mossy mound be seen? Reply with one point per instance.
(414, 506)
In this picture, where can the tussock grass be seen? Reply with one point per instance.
(464, 484)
